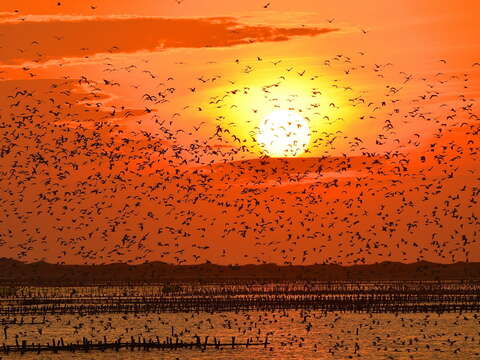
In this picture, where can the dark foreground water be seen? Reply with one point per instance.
(292, 334)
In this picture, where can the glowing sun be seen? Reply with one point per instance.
(283, 134)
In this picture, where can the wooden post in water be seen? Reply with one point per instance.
(233, 342)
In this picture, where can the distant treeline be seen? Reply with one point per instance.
(14, 272)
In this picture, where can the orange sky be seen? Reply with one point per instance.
(129, 131)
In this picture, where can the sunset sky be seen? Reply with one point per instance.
(130, 131)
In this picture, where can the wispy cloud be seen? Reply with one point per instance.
(43, 38)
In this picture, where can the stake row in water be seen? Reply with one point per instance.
(460, 304)
(141, 344)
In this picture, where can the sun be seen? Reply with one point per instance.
(283, 133)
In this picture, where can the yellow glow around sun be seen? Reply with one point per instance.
(283, 134)
(242, 103)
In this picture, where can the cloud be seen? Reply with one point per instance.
(45, 38)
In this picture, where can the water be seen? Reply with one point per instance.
(292, 334)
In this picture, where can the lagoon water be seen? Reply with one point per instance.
(292, 334)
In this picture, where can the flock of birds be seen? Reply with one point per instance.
(87, 179)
